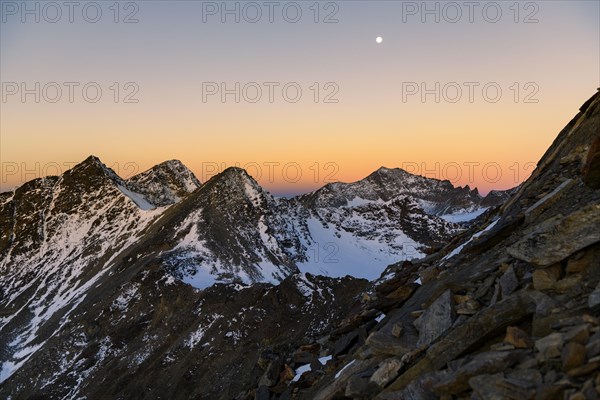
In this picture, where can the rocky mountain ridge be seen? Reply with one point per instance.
(438, 197)
(63, 237)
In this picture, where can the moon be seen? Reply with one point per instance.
(379, 40)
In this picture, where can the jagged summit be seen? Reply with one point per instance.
(436, 196)
(234, 175)
(386, 170)
(399, 173)
(162, 185)
(90, 167)
(165, 183)
(235, 184)
(174, 163)
(92, 159)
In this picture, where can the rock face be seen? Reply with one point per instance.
(436, 320)
(557, 238)
(60, 236)
(166, 183)
(385, 184)
(159, 334)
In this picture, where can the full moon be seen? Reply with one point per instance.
(379, 40)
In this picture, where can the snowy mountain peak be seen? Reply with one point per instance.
(236, 184)
(474, 190)
(386, 170)
(166, 183)
(93, 160)
(438, 197)
(185, 175)
(90, 174)
(387, 173)
(235, 173)
(93, 163)
(171, 164)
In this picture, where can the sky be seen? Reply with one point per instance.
(298, 93)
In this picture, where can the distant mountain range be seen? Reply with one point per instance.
(62, 237)
(230, 228)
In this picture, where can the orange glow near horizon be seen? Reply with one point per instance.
(170, 55)
(466, 152)
(498, 150)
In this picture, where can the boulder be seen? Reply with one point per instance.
(579, 334)
(337, 388)
(580, 262)
(387, 371)
(593, 348)
(518, 338)
(385, 343)
(508, 282)
(573, 356)
(402, 293)
(591, 168)
(485, 286)
(420, 388)
(569, 284)
(502, 347)
(343, 344)
(357, 386)
(555, 239)
(496, 387)
(311, 348)
(468, 307)
(287, 374)
(489, 362)
(303, 357)
(571, 321)
(397, 330)
(594, 297)
(585, 369)
(436, 320)
(271, 375)
(316, 365)
(546, 278)
(544, 303)
(531, 377)
(484, 325)
(550, 346)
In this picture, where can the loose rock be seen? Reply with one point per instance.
(573, 356)
(518, 338)
(436, 320)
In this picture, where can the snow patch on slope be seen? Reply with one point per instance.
(463, 216)
(475, 236)
(137, 198)
(337, 253)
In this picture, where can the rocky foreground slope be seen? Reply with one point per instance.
(508, 310)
